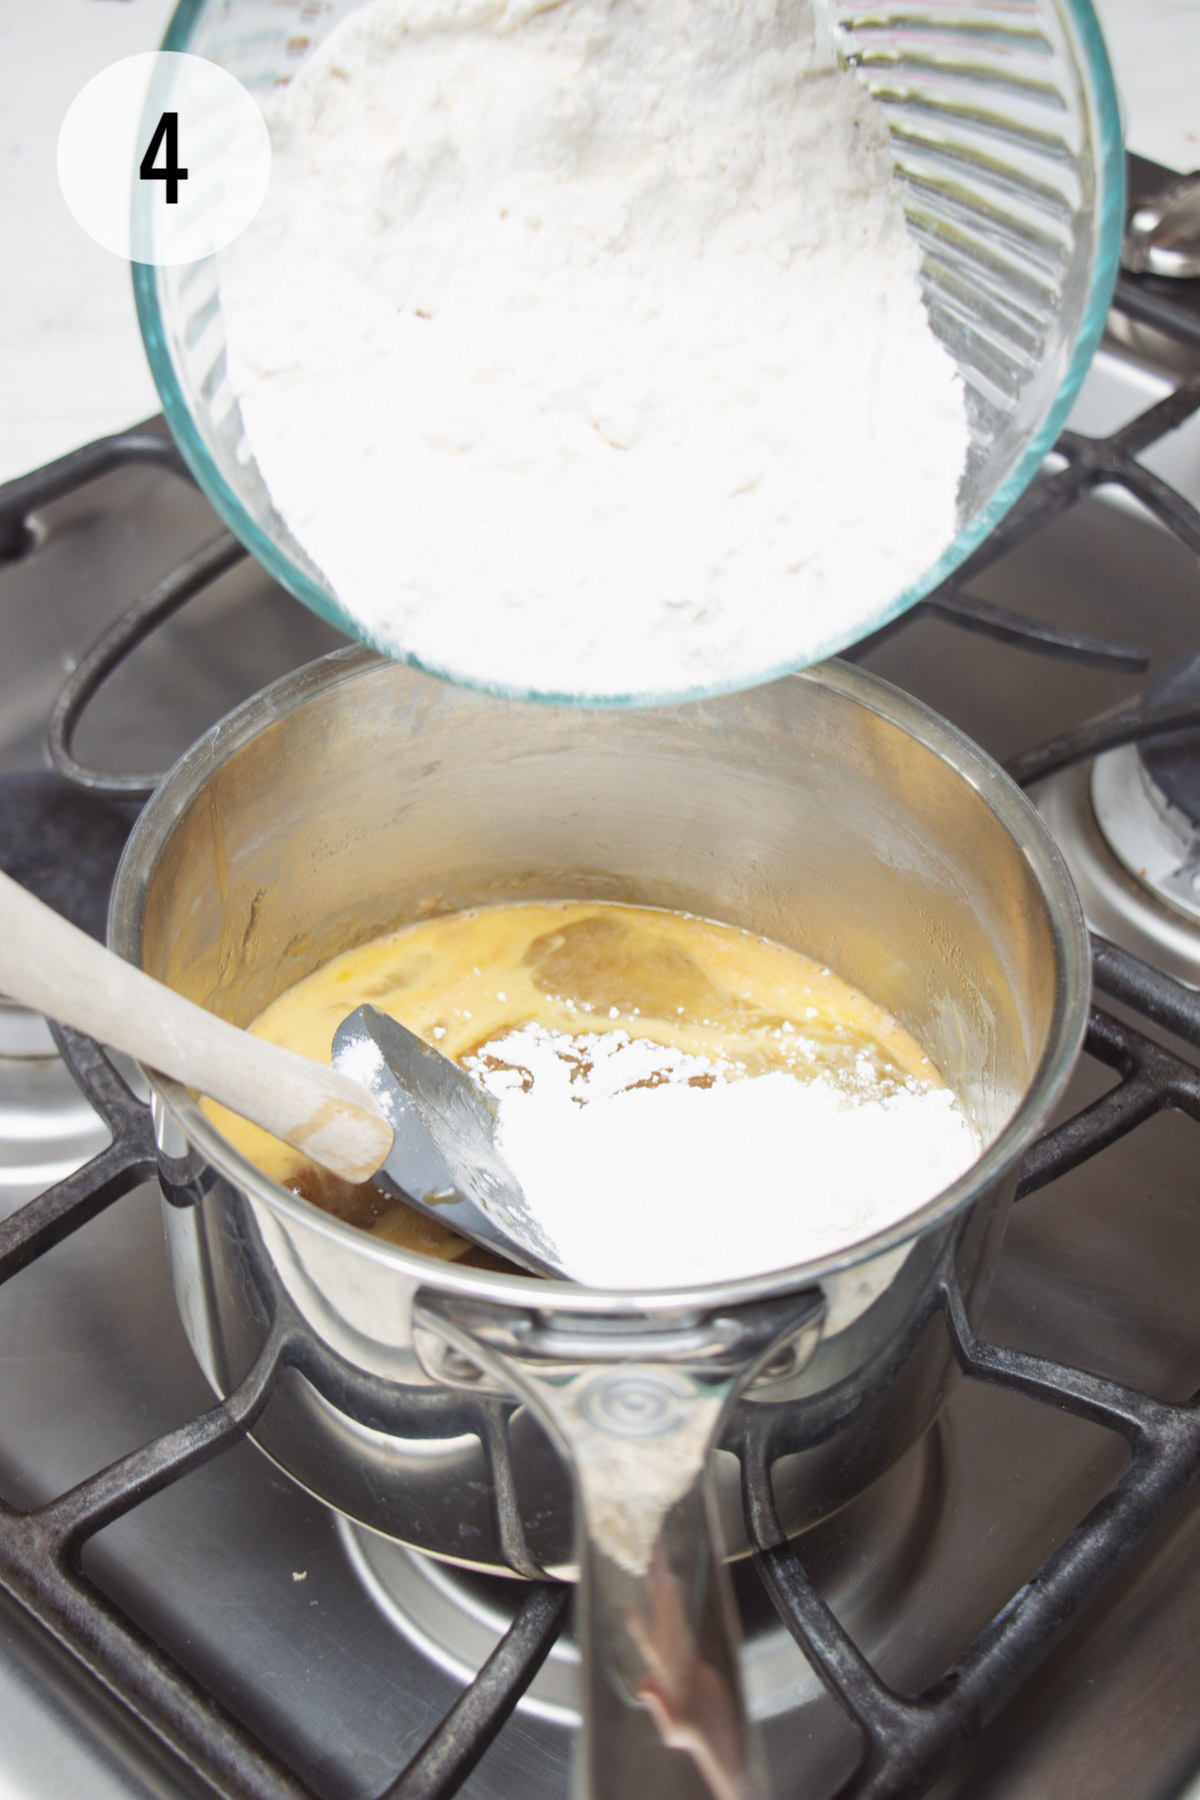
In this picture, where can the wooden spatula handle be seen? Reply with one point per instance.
(51, 966)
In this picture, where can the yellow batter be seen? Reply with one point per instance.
(465, 980)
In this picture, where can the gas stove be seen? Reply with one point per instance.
(190, 1622)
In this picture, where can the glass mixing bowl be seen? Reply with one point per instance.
(1006, 138)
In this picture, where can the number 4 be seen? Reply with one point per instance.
(171, 173)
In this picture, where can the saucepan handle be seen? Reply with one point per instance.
(636, 1409)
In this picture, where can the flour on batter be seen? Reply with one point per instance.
(582, 346)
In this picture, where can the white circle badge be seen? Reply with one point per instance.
(164, 158)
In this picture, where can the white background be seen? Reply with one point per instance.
(71, 362)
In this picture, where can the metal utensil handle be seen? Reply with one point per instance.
(663, 1708)
(415, 1087)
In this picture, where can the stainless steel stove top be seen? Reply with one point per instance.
(340, 1653)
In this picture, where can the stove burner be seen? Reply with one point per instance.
(63, 845)
(1128, 824)
(47, 1127)
(1173, 761)
(1131, 858)
(457, 1616)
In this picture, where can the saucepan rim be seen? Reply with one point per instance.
(1005, 800)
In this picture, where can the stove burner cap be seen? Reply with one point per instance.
(1173, 761)
(62, 844)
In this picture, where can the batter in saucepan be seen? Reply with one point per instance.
(681, 1099)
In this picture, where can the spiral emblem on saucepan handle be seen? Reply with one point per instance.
(634, 1404)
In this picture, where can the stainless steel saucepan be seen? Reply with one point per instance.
(545, 1429)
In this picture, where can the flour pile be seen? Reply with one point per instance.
(649, 1167)
(582, 348)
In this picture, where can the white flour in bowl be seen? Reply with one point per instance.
(649, 1167)
(582, 347)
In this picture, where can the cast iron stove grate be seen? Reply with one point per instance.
(906, 1741)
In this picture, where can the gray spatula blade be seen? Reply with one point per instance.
(443, 1159)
